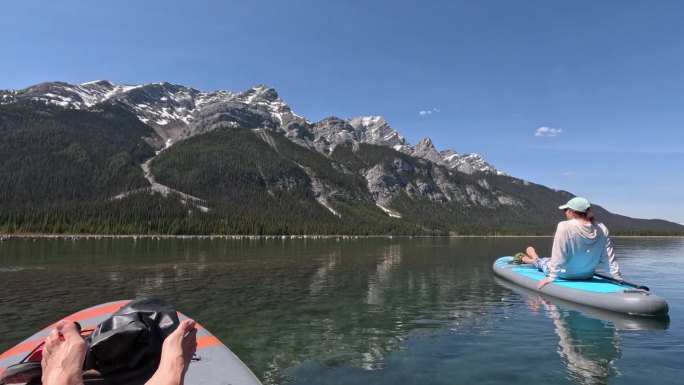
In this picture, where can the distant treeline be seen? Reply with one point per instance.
(62, 170)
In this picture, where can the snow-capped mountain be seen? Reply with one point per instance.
(177, 112)
(375, 130)
(468, 163)
(107, 155)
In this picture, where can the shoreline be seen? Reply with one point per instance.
(241, 237)
(4, 237)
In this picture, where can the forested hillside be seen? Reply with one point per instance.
(254, 188)
(79, 171)
(51, 156)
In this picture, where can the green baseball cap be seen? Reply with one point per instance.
(578, 204)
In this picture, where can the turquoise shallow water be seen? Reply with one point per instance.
(359, 311)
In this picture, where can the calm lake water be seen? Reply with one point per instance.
(362, 311)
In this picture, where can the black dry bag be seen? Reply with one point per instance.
(126, 347)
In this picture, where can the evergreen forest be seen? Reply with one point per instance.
(68, 171)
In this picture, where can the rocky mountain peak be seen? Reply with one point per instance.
(334, 121)
(425, 143)
(260, 92)
(371, 121)
(426, 150)
(375, 130)
(177, 112)
(100, 83)
(468, 163)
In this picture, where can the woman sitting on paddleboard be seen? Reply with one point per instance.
(580, 244)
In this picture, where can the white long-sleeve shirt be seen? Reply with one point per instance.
(579, 248)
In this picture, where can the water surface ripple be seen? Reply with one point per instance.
(359, 311)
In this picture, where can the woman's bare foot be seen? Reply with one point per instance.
(531, 255)
(177, 352)
(532, 252)
(63, 356)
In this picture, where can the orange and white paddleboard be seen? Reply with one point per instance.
(214, 363)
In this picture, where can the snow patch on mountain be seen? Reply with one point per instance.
(177, 112)
(375, 130)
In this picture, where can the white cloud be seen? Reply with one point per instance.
(548, 132)
(429, 112)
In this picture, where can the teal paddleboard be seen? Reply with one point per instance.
(596, 292)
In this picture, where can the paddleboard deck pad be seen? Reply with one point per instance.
(213, 363)
(595, 292)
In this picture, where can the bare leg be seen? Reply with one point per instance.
(531, 255)
(177, 352)
(63, 356)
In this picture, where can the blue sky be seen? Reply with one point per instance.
(583, 96)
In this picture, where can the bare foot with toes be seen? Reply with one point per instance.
(63, 356)
(177, 352)
(532, 252)
(531, 255)
(65, 350)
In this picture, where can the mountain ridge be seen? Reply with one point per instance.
(177, 112)
(245, 163)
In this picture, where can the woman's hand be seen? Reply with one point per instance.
(543, 282)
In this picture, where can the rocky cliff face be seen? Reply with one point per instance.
(248, 162)
(258, 107)
(468, 164)
(375, 130)
(421, 179)
(178, 112)
(331, 132)
(426, 150)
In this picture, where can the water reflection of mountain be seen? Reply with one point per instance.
(425, 308)
(334, 303)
